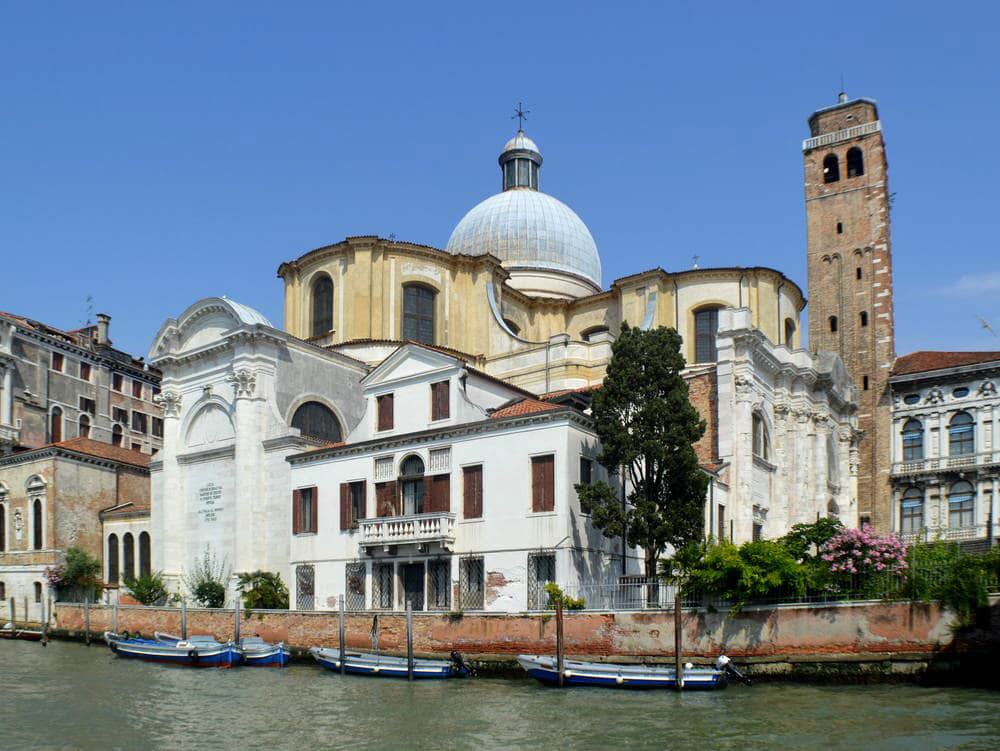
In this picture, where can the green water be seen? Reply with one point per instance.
(69, 696)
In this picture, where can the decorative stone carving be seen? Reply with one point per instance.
(170, 401)
(18, 524)
(989, 388)
(935, 396)
(244, 383)
(743, 385)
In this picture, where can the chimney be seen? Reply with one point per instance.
(103, 322)
(842, 97)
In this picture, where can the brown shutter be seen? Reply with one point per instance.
(315, 513)
(428, 494)
(296, 512)
(386, 502)
(440, 407)
(441, 492)
(542, 483)
(385, 416)
(363, 511)
(550, 483)
(345, 506)
(395, 497)
(472, 492)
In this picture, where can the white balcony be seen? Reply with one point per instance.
(418, 529)
(9, 434)
(937, 464)
(951, 534)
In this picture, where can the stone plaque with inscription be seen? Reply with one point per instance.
(209, 502)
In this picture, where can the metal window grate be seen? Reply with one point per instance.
(472, 583)
(440, 460)
(439, 585)
(355, 574)
(382, 581)
(541, 571)
(305, 588)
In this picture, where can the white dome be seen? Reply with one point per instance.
(526, 229)
(520, 141)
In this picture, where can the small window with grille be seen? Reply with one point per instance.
(541, 571)
(382, 581)
(355, 574)
(439, 585)
(472, 576)
(305, 588)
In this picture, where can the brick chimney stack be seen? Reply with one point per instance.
(103, 323)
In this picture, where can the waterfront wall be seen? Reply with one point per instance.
(869, 628)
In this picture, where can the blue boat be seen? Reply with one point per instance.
(259, 653)
(545, 669)
(390, 667)
(197, 651)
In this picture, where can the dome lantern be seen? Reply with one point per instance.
(520, 162)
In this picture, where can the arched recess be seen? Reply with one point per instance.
(209, 423)
(112, 558)
(128, 556)
(831, 168)
(418, 322)
(855, 162)
(56, 425)
(789, 333)
(320, 305)
(589, 333)
(760, 436)
(144, 554)
(316, 420)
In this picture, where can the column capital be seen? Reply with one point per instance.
(170, 401)
(244, 382)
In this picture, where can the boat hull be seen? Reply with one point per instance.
(384, 666)
(608, 675)
(200, 656)
(278, 656)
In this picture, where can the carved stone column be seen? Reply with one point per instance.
(248, 468)
(169, 503)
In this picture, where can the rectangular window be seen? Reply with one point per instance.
(157, 427)
(139, 422)
(911, 517)
(472, 492)
(356, 574)
(85, 371)
(119, 415)
(541, 571)
(439, 585)
(758, 532)
(57, 362)
(706, 327)
(137, 389)
(156, 393)
(440, 401)
(118, 382)
(586, 470)
(383, 578)
(543, 494)
(472, 583)
(352, 504)
(721, 523)
(88, 405)
(385, 416)
(304, 511)
(137, 447)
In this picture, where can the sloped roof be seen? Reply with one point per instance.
(102, 451)
(523, 407)
(926, 360)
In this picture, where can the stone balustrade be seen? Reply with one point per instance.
(938, 464)
(386, 531)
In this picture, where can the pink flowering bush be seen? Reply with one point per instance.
(861, 552)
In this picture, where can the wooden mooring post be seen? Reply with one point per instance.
(678, 663)
(560, 642)
(236, 623)
(409, 641)
(342, 630)
(45, 623)
(13, 614)
(114, 618)
(86, 620)
(184, 618)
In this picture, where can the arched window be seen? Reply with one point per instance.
(855, 162)
(55, 425)
(128, 545)
(961, 435)
(38, 592)
(864, 317)
(833, 324)
(37, 527)
(961, 505)
(411, 479)
(789, 332)
(112, 559)
(761, 440)
(514, 328)
(911, 511)
(588, 334)
(144, 568)
(316, 420)
(116, 435)
(322, 305)
(418, 313)
(831, 168)
(84, 426)
(913, 440)
(706, 327)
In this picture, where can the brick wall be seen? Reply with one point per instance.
(704, 394)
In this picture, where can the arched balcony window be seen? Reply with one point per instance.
(855, 162)
(961, 435)
(831, 168)
(322, 306)
(144, 567)
(961, 505)
(911, 511)
(418, 313)
(316, 420)
(112, 559)
(411, 481)
(128, 554)
(913, 440)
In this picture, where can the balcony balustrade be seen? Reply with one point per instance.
(943, 463)
(951, 534)
(416, 529)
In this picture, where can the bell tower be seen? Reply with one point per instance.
(850, 276)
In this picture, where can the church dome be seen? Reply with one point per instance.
(539, 239)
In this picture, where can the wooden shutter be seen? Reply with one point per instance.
(472, 492)
(385, 416)
(441, 493)
(386, 502)
(440, 402)
(345, 505)
(296, 512)
(542, 483)
(363, 509)
(315, 511)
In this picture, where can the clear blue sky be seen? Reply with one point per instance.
(150, 156)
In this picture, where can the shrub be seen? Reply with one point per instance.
(262, 590)
(148, 589)
(804, 541)
(861, 551)
(941, 571)
(207, 581)
(753, 571)
(78, 577)
(556, 595)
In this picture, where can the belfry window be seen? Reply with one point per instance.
(855, 162)
(831, 168)
(322, 306)
(418, 313)
(706, 326)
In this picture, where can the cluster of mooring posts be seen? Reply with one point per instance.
(10, 630)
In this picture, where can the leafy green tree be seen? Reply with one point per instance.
(263, 590)
(207, 581)
(79, 577)
(147, 589)
(803, 541)
(647, 427)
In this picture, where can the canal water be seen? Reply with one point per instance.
(68, 696)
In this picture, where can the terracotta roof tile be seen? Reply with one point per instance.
(103, 451)
(562, 392)
(523, 407)
(923, 361)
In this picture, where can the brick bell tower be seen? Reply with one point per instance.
(850, 276)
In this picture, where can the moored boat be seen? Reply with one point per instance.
(197, 651)
(362, 663)
(545, 669)
(8, 631)
(259, 653)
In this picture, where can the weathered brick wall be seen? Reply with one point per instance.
(704, 394)
(863, 628)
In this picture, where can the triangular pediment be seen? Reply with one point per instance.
(410, 362)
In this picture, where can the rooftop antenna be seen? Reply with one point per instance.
(521, 114)
(89, 308)
(392, 236)
(694, 261)
(986, 325)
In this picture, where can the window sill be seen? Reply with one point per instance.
(304, 534)
(764, 463)
(472, 520)
(543, 513)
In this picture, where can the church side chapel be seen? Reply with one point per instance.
(415, 433)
